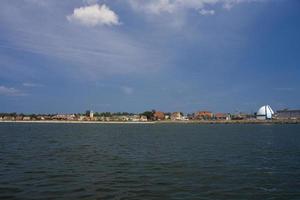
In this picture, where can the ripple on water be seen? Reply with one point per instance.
(269, 190)
(9, 192)
(149, 162)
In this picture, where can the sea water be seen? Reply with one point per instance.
(149, 161)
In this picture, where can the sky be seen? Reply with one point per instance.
(135, 55)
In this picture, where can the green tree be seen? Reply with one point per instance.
(149, 114)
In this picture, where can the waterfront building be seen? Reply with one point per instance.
(159, 115)
(264, 113)
(134, 118)
(63, 117)
(288, 114)
(185, 118)
(90, 114)
(242, 116)
(27, 118)
(222, 116)
(176, 116)
(120, 118)
(40, 118)
(81, 118)
(9, 118)
(143, 118)
(19, 118)
(203, 115)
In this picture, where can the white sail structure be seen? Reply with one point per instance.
(264, 113)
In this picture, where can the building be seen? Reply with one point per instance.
(68, 117)
(134, 118)
(222, 116)
(288, 114)
(9, 118)
(26, 118)
(40, 118)
(176, 116)
(90, 114)
(81, 118)
(203, 115)
(19, 118)
(264, 113)
(143, 118)
(159, 116)
(121, 118)
(185, 118)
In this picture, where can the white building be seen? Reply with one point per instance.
(176, 116)
(264, 113)
(89, 114)
(27, 118)
(143, 118)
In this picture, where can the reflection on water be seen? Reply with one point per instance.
(155, 161)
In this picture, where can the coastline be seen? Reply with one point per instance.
(75, 122)
(161, 122)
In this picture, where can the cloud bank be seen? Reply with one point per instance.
(94, 15)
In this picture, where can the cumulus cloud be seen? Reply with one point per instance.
(94, 15)
(7, 91)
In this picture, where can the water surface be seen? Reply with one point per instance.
(149, 161)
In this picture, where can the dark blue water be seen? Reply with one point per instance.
(158, 161)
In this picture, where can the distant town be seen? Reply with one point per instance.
(265, 113)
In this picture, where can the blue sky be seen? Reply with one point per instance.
(135, 55)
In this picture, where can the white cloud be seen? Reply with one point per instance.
(284, 89)
(94, 15)
(173, 6)
(90, 52)
(90, 2)
(206, 12)
(228, 4)
(32, 85)
(6, 91)
(127, 90)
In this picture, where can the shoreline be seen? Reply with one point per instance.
(161, 122)
(75, 122)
